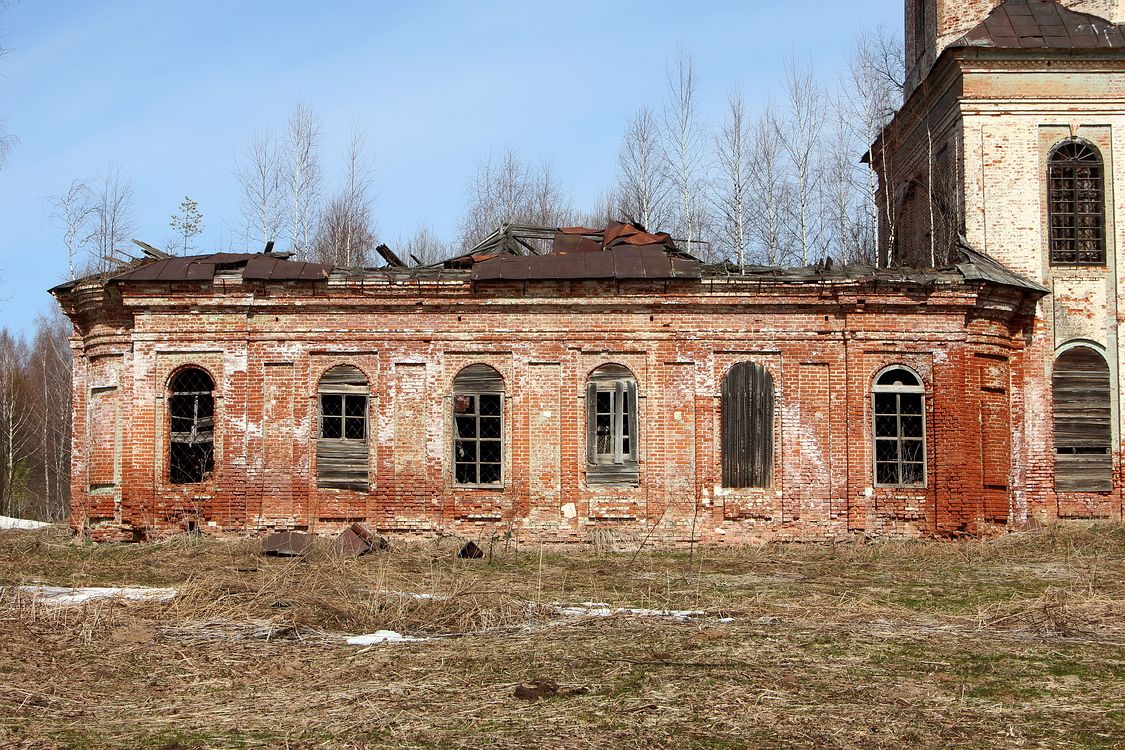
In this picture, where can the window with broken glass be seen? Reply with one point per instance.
(1076, 206)
(478, 426)
(900, 429)
(342, 442)
(191, 424)
(611, 426)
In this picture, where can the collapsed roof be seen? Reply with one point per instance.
(620, 251)
(521, 253)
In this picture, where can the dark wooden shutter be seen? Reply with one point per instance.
(1081, 390)
(591, 423)
(747, 426)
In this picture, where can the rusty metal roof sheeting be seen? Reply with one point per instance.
(254, 267)
(1042, 24)
(620, 262)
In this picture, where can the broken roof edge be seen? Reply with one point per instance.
(980, 266)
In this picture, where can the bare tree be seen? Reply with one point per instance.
(801, 140)
(769, 188)
(683, 148)
(871, 91)
(346, 232)
(303, 177)
(642, 180)
(424, 247)
(506, 191)
(731, 188)
(73, 212)
(113, 220)
(263, 190)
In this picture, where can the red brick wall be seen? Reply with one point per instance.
(822, 342)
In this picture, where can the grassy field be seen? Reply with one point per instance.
(1011, 642)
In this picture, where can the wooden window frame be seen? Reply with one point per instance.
(917, 390)
(343, 462)
(200, 439)
(618, 465)
(477, 381)
(1064, 201)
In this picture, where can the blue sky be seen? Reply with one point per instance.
(171, 92)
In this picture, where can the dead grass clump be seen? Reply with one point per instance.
(1059, 613)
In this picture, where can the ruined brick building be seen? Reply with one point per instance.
(611, 384)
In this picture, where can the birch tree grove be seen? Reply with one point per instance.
(770, 190)
(35, 407)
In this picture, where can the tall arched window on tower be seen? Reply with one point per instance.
(478, 426)
(747, 437)
(1080, 389)
(899, 418)
(191, 426)
(1076, 204)
(611, 426)
(342, 440)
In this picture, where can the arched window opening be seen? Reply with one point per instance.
(1080, 386)
(478, 426)
(191, 426)
(747, 426)
(611, 426)
(1076, 204)
(342, 439)
(899, 418)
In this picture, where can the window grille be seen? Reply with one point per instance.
(899, 419)
(1076, 205)
(478, 426)
(191, 425)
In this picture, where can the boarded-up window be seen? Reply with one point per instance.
(1080, 387)
(342, 440)
(747, 439)
(899, 419)
(1076, 205)
(191, 426)
(611, 426)
(478, 426)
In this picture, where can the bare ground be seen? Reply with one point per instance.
(1012, 642)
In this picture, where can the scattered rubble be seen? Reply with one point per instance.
(287, 544)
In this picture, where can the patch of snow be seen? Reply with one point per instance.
(601, 609)
(382, 636)
(64, 595)
(20, 523)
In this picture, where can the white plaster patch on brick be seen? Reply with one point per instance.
(569, 510)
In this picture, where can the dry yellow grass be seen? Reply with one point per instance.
(1017, 641)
